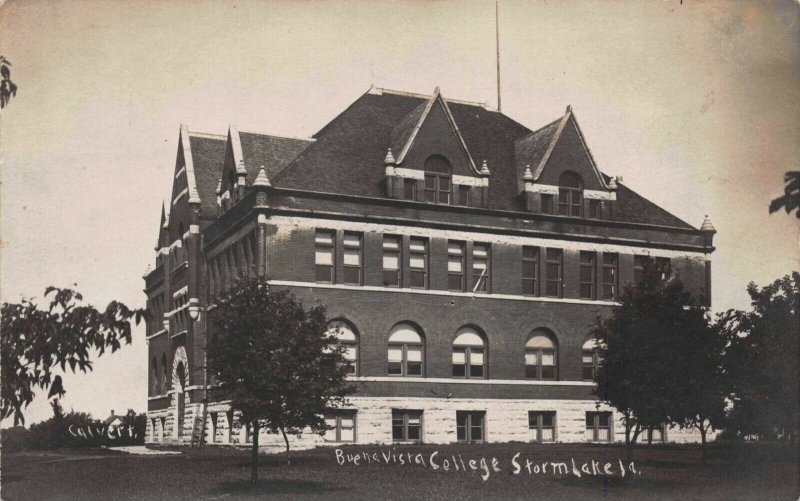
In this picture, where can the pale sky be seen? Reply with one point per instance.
(697, 106)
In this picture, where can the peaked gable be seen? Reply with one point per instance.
(556, 148)
(435, 131)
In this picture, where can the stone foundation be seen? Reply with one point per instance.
(506, 421)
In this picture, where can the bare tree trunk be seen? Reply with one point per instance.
(703, 442)
(285, 439)
(632, 442)
(254, 460)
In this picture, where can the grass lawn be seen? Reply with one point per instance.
(663, 472)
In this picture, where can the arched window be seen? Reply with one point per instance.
(346, 337)
(181, 370)
(438, 174)
(405, 351)
(164, 374)
(154, 383)
(540, 356)
(469, 354)
(570, 194)
(591, 359)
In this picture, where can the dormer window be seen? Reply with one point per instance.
(570, 195)
(438, 176)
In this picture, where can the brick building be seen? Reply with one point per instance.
(463, 256)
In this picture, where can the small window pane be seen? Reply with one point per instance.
(352, 257)
(414, 353)
(459, 357)
(323, 256)
(391, 261)
(417, 261)
(395, 353)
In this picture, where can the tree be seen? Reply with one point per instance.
(650, 345)
(763, 360)
(34, 342)
(790, 201)
(7, 87)
(274, 361)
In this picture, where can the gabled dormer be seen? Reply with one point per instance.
(428, 160)
(556, 173)
(231, 186)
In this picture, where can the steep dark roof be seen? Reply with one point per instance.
(208, 155)
(347, 156)
(530, 149)
(634, 208)
(272, 152)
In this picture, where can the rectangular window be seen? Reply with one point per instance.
(664, 268)
(594, 209)
(391, 260)
(437, 188)
(410, 189)
(455, 265)
(590, 362)
(554, 272)
(463, 195)
(459, 362)
(639, 263)
(542, 425)
(598, 427)
(324, 255)
(395, 360)
(610, 273)
(352, 258)
(341, 426)
(406, 425)
(588, 274)
(530, 271)
(418, 263)
(547, 204)
(481, 267)
(470, 426)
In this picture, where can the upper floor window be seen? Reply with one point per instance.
(392, 245)
(324, 255)
(409, 189)
(547, 204)
(418, 263)
(352, 258)
(554, 276)
(405, 351)
(469, 354)
(464, 192)
(540, 356)
(480, 267)
(591, 359)
(347, 338)
(530, 270)
(588, 274)
(570, 194)
(455, 265)
(610, 273)
(438, 174)
(594, 209)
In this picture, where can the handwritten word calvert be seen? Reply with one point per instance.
(111, 432)
(456, 463)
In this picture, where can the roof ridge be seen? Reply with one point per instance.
(306, 139)
(377, 91)
(540, 129)
(207, 135)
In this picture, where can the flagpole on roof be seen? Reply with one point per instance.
(497, 40)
